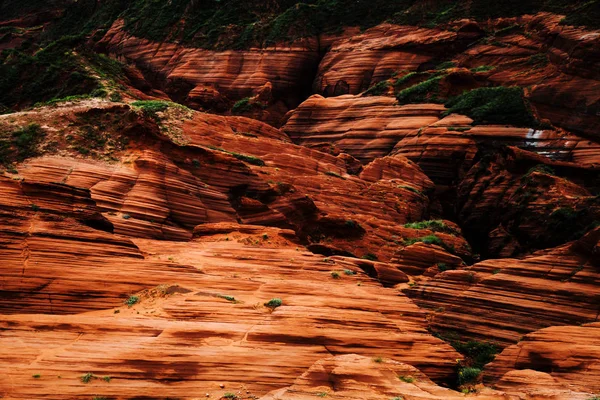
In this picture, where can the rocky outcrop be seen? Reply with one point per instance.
(216, 80)
(354, 64)
(501, 300)
(506, 194)
(569, 354)
(372, 127)
(355, 377)
(203, 301)
(365, 127)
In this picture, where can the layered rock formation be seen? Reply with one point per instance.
(216, 80)
(501, 300)
(152, 251)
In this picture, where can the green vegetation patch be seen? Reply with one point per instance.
(378, 89)
(274, 303)
(494, 105)
(20, 144)
(436, 225)
(422, 92)
(132, 300)
(468, 375)
(55, 71)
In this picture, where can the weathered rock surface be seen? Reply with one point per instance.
(187, 329)
(569, 354)
(501, 300)
(355, 377)
(216, 80)
(372, 127)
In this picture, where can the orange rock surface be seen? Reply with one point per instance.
(322, 242)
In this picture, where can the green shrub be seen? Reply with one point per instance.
(249, 159)
(445, 65)
(227, 297)
(494, 105)
(378, 360)
(335, 275)
(106, 378)
(412, 189)
(20, 144)
(483, 68)
(36, 376)
(468, 375)
(370, 256)
(132, 300)
(479, 353)
(150, 108)
(242, 106)
(406, 378)
(230, 396)
(444, 267)
(126, 216)
(349, 272)
(423, 92)
(378, 89)
(436, 225)
(242, 157)
(87, 377)
(274, 303)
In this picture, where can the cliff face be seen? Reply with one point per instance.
(299, 200)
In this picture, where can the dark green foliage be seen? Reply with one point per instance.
(242, 106)
(412, 189)
(483, 68)
(445, 65)
(378, 89)
(20, 144)
(53, 72)
(132, 300)
(249, 159)
(436, 225)
(444, 267)
(468, 375)
(242, 157)
(494, 105)
(87, 377)
(429, 239)
(274, 303)
(478, 353)
(370, 256)
(423, 92)
(230, 396)
(150, 108)
(227, 297)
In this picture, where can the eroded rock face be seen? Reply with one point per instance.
(569, 354)
(206, 307)
(173, 253)
(355, 377)
(216, 80)
(501, 300)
